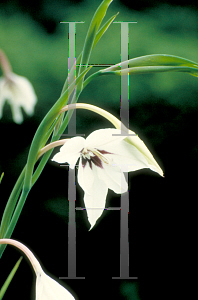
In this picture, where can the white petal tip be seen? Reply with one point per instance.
(91, 226)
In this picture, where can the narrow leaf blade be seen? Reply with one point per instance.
(9, 278)
(155, 63)
(93, 29)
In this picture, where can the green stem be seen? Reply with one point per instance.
(44, 127)
(95, 75)
(14, 219)
(11, 204)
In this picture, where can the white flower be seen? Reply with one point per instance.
(104, 157)
(19, 93)
(46, 287)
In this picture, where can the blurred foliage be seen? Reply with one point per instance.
(47, 13)
(129, 290)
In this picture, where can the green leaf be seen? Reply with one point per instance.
(9, 279)
(1, 177)
(103, 29)
(155, 63)
(99, 34)
(152, 69)
(93, 30)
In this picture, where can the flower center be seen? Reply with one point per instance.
(95, 156)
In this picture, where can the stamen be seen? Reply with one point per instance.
(94, 155)
(100, 155)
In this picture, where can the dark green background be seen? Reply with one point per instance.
(163, 111)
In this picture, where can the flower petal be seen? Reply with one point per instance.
(113, 178)
(16, 113)
(95, 191)
(70, 151)
(101, 138)
(127, 157)
(95, 201)
(139, 144)
(23, 93)
(49, 289)
(86, 176)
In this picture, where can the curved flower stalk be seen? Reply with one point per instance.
(17, 91)
(46, 287)
(104, 156)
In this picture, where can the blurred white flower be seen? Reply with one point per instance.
(16, 90)
(46, 287)
(104, 156)
(19, 93)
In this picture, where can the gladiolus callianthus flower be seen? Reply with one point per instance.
(104, 157)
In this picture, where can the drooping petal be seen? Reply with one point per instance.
(16, 113)
(24, 94)
(101, 138)
(49, 289)
(128, 157)
(95, 201)
(139, 144)
(70, 151)
(113, 178)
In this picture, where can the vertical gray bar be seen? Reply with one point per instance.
(124, 101)
(71, 75)
(124, 238)
(71, 225)
(124, 80)
(124, 115)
